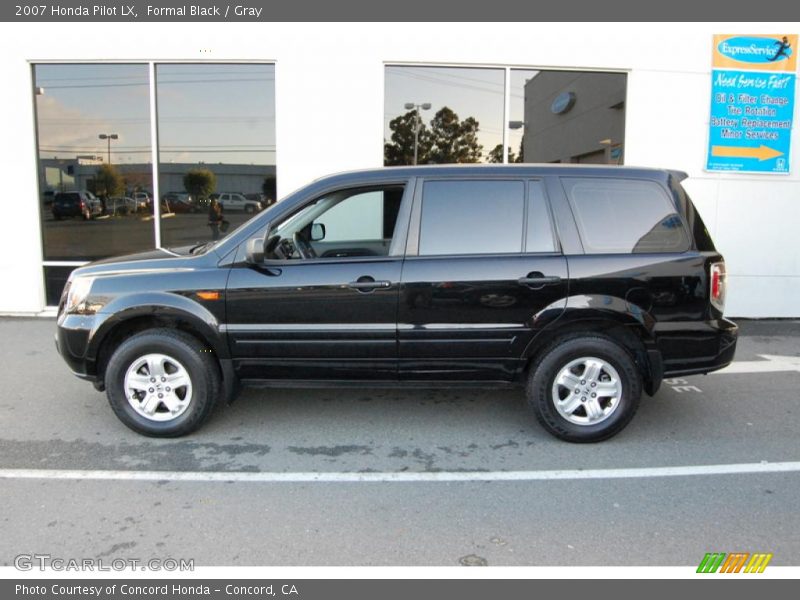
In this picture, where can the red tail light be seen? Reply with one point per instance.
(718, 285)
(83, 204)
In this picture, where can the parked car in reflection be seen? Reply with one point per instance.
(123, 205)
(234, 201)
(81, 203)
(143, 197)
(261, 198)
(181, 204)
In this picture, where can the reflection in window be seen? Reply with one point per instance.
(93, 125)
(600, 205)
(216, 147)
(567, 117)
(455, 115)
(93, 139)
(436, 115)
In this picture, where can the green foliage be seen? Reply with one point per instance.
(107, 182)
(401, 149)
(446, 139)
(454, 141)
(496, 155)
(200, 183)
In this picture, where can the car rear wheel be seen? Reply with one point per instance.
(585, 388)
(162, 383)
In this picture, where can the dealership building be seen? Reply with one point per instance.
(249, 105)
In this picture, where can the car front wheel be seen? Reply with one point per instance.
(162, 383)
(585, 389)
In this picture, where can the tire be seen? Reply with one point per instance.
(172, 356)
(561, 384)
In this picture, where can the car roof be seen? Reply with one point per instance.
(495, 170)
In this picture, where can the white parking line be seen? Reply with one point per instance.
(770, 364)
(404, 476)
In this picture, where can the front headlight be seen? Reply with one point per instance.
(77, 295)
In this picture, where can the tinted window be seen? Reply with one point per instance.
(472, 217)
(625, 215)
(539, 237)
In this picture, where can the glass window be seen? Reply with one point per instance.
(93, 144)
(345, 223)
(93, 136)
(216, 135)
(437, 115)
(624, 215)
(539, 237)
(471, 217)
(567, 117)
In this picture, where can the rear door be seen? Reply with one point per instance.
(483, 274)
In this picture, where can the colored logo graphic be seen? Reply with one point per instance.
(757, 52)
(735, 562)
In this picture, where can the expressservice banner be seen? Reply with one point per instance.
(753, 84)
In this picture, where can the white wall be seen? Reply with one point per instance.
(329, 106)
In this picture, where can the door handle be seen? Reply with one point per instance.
(368, 284)
(537, 280)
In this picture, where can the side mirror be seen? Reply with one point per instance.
(317, 232)
(255, 251)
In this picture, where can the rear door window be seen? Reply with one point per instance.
(624, 216)
(472, 217)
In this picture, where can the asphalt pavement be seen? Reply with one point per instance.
(51, 422)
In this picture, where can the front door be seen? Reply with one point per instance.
(323, 305)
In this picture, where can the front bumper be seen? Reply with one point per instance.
(72, 342)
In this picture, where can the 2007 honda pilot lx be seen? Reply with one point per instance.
(586, 285)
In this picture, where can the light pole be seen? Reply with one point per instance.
(108, 137)
(417, 122)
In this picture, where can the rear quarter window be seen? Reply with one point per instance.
(625, 216)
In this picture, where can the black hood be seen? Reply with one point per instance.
(157, 259)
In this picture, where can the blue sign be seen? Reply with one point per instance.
(762, 50)
(751, 121)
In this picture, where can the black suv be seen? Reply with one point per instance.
(585, 285)
(76, 204)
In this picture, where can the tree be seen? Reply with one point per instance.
(496, 155)
(401, 149)
(200, 183)
(270, 189)
(446, 139)
(454, 141)
(107, 182)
